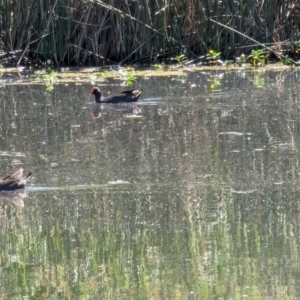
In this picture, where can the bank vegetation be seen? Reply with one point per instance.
(114, 32)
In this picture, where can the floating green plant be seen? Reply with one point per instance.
(155, 66)
(103, 74)
(213, 57)
(181, 59)
(49, 78)
(258, 57)
(128, 77)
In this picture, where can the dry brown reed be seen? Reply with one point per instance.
(98, 32)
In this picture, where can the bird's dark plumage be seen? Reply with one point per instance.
(125, 96)
(14, 181)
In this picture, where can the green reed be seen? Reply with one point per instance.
(81, 32)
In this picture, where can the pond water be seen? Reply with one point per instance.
(191, 193)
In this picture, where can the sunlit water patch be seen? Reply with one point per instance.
(170, 197)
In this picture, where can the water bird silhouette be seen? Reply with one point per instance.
(14, 181)
(122, 97)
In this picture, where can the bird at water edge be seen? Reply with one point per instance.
(14, 181)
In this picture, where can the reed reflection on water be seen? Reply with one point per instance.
(190, 193)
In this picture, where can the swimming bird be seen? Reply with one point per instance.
(125, 96)
(14, 181)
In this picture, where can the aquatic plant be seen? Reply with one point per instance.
(155, 66)
(129, 78)
(213, 57)
(49, 78)
(258, 57)
(103, 74)
(181, 59)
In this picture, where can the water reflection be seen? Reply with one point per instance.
(96, 111)
(196, 197)
(16, 198)
(128, 110)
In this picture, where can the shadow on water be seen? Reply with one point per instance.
(191, 193)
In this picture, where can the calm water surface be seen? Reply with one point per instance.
(192, 193)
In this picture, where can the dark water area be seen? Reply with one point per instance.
(190, 193)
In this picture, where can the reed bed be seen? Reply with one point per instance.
(101, 32)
